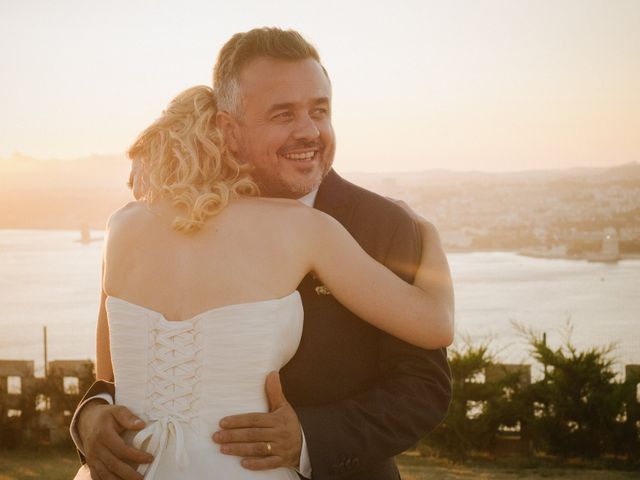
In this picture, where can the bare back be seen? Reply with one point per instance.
(259, 249)
(251, 251)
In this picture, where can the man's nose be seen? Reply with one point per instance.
(306, 128)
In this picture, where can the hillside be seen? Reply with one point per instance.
(61, 194)
(64, 194)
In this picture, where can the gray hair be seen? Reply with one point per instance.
(244, 47)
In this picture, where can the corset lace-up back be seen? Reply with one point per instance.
(181, 377)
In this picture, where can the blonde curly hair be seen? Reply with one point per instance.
(185, 160)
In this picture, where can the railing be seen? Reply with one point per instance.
(500, 411)
(38, 410)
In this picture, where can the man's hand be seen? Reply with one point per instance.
(266, 440)
(108, 456)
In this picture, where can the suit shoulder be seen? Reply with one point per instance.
(371, 203)
(386, 230)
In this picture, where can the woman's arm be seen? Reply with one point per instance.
(377, 295)
(110, 257)
(104, 369)
(433, 276)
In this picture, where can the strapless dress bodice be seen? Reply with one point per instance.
(181, 377)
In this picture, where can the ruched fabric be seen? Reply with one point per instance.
(181, 377)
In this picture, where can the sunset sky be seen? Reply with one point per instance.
(461, 85)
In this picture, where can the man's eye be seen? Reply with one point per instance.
(321, 111)
(283, 116)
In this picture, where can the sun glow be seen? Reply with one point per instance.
(490, 85)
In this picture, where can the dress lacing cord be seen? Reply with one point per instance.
(173, 376)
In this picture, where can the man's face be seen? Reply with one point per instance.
(284, 128)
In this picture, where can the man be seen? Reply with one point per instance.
(352, 397)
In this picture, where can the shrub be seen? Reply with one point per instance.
(578, 405)
(577, 409)
(477, 407)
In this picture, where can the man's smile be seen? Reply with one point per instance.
(303, 156)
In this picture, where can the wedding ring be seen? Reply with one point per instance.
(268, 448)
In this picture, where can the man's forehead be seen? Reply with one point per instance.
(281, 81)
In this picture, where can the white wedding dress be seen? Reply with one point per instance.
(181, 377)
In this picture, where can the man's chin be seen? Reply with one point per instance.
(292, 186)
(289, 189)
(303, 186)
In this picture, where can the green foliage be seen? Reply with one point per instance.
(477, 408)
(578, 405)
(577, 409)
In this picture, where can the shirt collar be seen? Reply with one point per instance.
(310, 198)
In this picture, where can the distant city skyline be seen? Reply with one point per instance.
(418, 85)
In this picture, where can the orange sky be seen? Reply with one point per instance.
(484, 85)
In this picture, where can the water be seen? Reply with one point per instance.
(601, 301)
(49, 278)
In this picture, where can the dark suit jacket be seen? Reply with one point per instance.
(362, 396)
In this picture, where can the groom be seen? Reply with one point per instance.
(352, 397)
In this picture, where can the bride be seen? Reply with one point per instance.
(199, 297)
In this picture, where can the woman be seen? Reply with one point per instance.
(199, 295)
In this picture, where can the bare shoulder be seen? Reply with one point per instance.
(128, 216)
(126, 223)
(291, 218)
(282, 209)
(270, 203)
(297, 213)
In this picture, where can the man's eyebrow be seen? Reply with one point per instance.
(322, 101)
(291, 105)
(280, 106)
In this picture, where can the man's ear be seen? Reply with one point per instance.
(230, 130)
